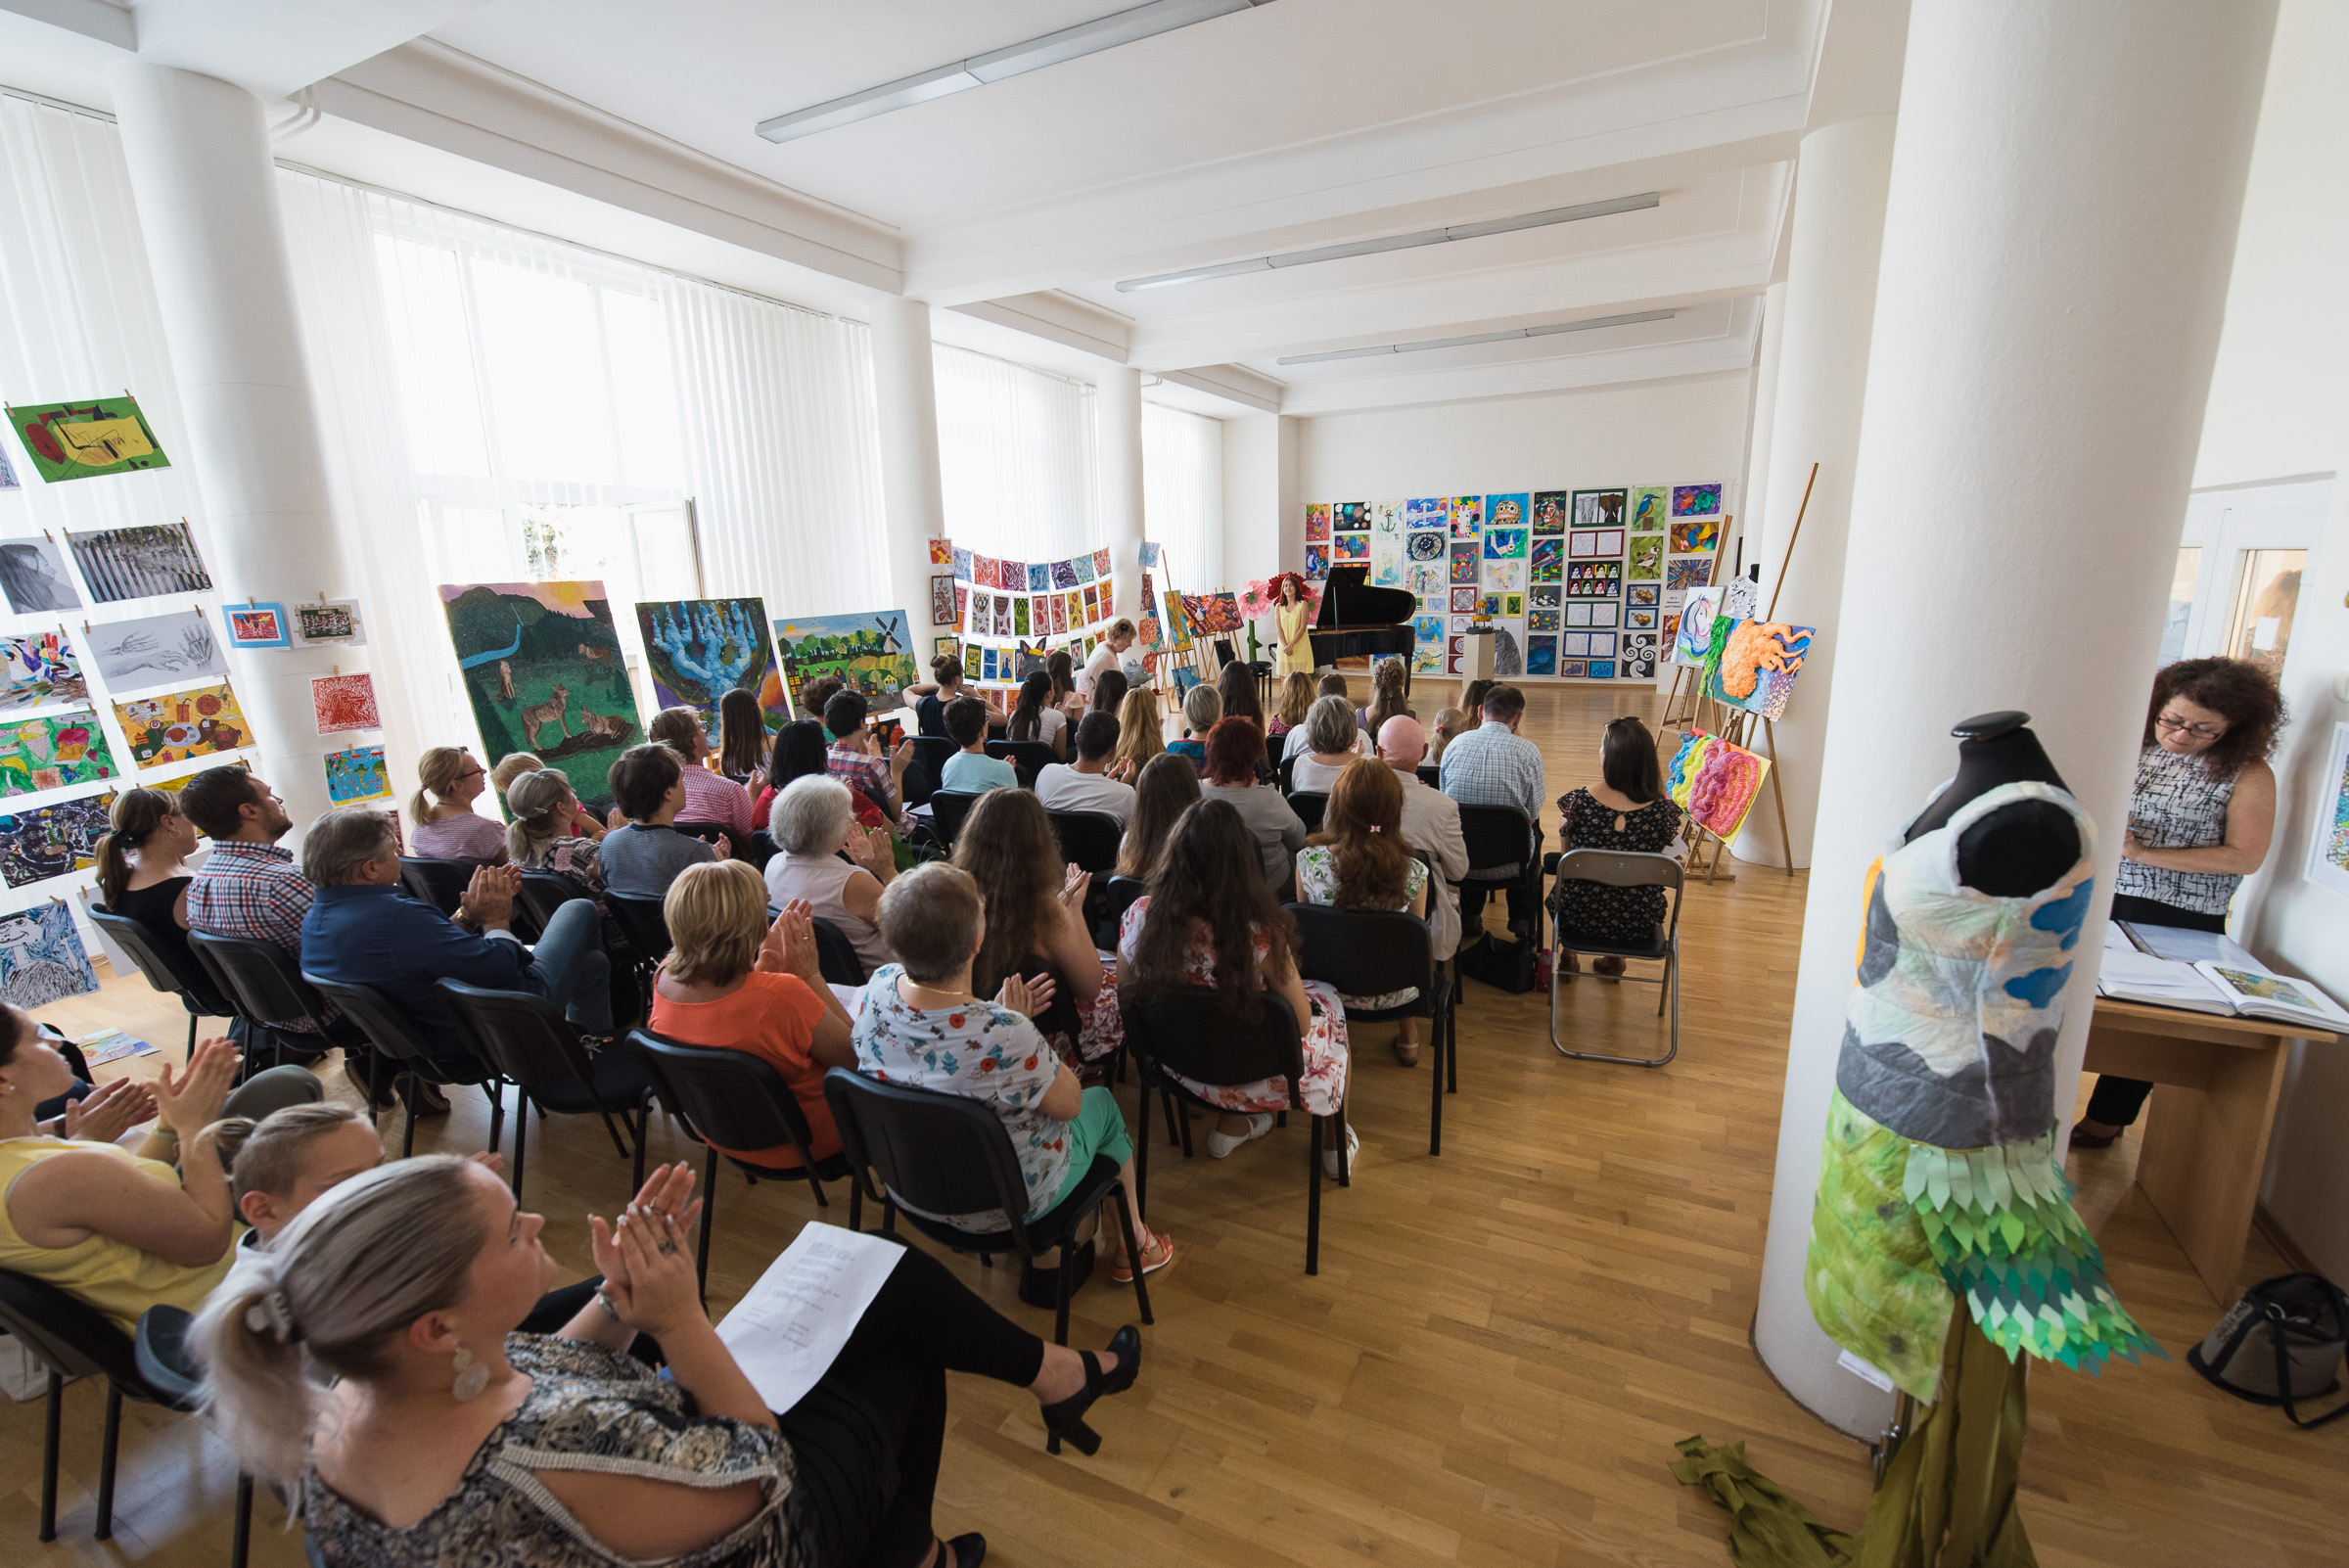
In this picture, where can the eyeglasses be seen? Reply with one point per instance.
(2197, 732)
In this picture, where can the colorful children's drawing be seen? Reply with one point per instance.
(1716, 782)
(40, 667)
(1694, 640)
(1316, 523)
(51, 752)
(1350, 517)
(1757, 666)
(698, 650)
(55, 839)
(1541, 656)
(1690, 538)
(1470, 508)
(1693, 573)
(1697, 500)
(1650, 508)
(1594, 580)
(1599, 509)
(174, 727)
(543, 668)
(1351, 547)
(870, 651)
(358, 774)
(41, 959)
(256, 625)
(1427, 512)
(1639, 657)
(1549, 511)
(1550, 560)
(1424, 546)
(328, 620)
(1504, 574)
(1642, 594)
(1505, 544)
(1500, 512)
(1647, 557)
(1463, 561)
(341, 703)
(139, 563)
(942, 552)
(1317, 561)
(2328, 845)
(76, 441)
(32, 575)
(1386, 517)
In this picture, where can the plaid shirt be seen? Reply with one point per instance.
(254, 892)
(1491, 767)
(859, 770)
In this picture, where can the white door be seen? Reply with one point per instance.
(2238, 581)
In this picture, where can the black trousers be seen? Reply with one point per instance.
(2116, 1101)
(1524, 894)
(866, 1439)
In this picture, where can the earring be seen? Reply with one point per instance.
(471, 1376)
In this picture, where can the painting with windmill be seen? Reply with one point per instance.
(871, 651)
(543, 668)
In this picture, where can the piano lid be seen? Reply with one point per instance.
(1349, 600)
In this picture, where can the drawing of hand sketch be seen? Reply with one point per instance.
(169, 645)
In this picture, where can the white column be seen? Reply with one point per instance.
(207, 193)
(1756, 491)
(1830, 306)
(912, 498)
(2064, 197)
(1120, 422)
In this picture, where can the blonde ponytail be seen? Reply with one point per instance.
(437, 771)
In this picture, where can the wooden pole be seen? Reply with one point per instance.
(1769, 733)
(1772, 613)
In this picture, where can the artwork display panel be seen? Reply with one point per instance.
(1469, 509)
(1650, 508)
(1574, 669)
(1351, 547)
(1350, 517)
(143, 651)
(40, 667)
(342, 702)
(542, 666)
(1757, 663)
(1647, 557)
(1716, 782)
(1551, 508)
(1317, 562)
(1546, 596)
(1602, 669)
(1600, 509)
(1639, 657)
(1594, 580)
(258, 626)
(52, 753)
(1504, 574)
(1316, 523)
(41, 957)
(329, 621)
(1693, 642)
(139, 563)
(1689, 574)
(1500, 512)
(34, 577)
(870, 651)
(1463, 563)
(1541, 656)
(1549, 560)
(1697, 500)
(941, 601)
(1641, 594)
(182, 725)
(1699, 538)
(942, 552)
(1424, 546)
(1504, 544)
(84, 439)
(357, 775)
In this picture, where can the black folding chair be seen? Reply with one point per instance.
(1192, 1031)
(1361, 953)
(528, 1041)
(836, 955)
(197, 990)
(1286, 770)
(708, 832)
(73, 1339)
(439, 883)
(1500, 853)
(948, 808)
(952, 1154)
(1431, 775)
(266, 985)
(927, 767)
(170, 1370)
(1088, 838)
(396, 1036)
(1309, 804)
(739, 1100)
(1028, 758)
(543, 893)
(1621, 868)
(762, 849)
(646, 925)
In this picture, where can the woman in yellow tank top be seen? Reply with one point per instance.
(122, 1231)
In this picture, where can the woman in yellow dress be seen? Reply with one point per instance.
(1293, 619)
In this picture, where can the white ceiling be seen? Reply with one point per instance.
(1019, 204)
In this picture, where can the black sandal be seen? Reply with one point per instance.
(1066, 1420)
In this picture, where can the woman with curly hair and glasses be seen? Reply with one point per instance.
(2200, 821)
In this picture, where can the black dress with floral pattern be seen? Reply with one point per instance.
(1591, 908)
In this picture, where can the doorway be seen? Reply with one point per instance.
(2237, 582)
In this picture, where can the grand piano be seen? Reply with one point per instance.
(1358, 620)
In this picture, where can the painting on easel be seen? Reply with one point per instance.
(543, 668)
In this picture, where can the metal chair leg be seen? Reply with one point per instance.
(1312, 1202)
(522, 1140)
(495, 1088)
(1141, 1146)
(618, 1147)
(1435, 1109)
(407, 1141)
(856, 1203)
(889, 1217)
(50, 1432)
(190, 1036)
(1133, 1252)
(643, 1115)
(240, 1547)
(1451, 1031)
(107, 1448)
(700, 1259)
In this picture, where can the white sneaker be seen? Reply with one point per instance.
(1354, 1155)
(1220, 1143)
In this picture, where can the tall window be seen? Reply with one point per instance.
(1018, 456)
(1183, 495)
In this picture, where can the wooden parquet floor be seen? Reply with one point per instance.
(1500, 1349)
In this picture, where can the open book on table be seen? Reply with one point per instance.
(2232, 984)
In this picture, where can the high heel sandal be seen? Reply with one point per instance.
(1066, 1420)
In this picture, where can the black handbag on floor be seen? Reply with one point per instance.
(2283, 1342)
(1503, 965)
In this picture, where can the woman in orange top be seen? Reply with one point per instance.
(734, 982)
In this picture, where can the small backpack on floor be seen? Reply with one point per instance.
(2281, 1343)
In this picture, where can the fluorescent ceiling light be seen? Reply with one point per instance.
(1510, 336)
(1070, 43)
(1398, 242)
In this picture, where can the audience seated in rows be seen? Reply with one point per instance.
(1431, 824)
(708, 798)
(444, 825)
(1110, 691)
(733, 981)
(1093, 780)
(1071, 702)
(514, 764)
(970, 771)
(741, 742)
(1141, 732)
(946, 683)
(1206, 921)
(1202, 708)
(363, 928)
(855, 757)
(1360, 860)
(1294, 743)
(1035, 719)
(812, 826)
(1495, 765)
(1168, 787)
(640, 859)
(924, 1023)
(119, 1230)
(1105, 658)
(566, 1451)
(142, 869)
(1451, 724)
(1627, 811)
(1296, 697)
(1332, 744)
(1036, 922)
(802, 749)
(539, 838)
(1234, 748)
(1235, 685)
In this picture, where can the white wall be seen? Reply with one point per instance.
(1258, 456)
(2279, 408)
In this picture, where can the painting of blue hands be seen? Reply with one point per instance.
(699, 649)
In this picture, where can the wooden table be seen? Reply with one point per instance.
(2206, 1140)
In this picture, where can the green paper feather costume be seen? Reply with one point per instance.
(1938, 1182)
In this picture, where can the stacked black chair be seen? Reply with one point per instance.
(161, 1347)
(1621, 868)
(951, 1154)
(927, 767)
(1027, 758)
(836, 955)
(1194, 1033)
(529, 1043)
(1501, 852)
(396, 1037)
(1361, 953)
(267, 988)
(948, 808)
(1309, 804)
(645, 925)
(737, 1100)
(439, 883)
(197, 990)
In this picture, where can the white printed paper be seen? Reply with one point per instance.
(786, 1332)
